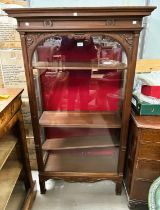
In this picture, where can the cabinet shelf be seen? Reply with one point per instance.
(84, 40)
(79, 119)
(8, 178)
(103, 161)
(106, 65)
(6, 146)
(80, 143)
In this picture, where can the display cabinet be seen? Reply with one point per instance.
(17, 187)
(79, 65)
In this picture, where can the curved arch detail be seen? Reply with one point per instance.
(34, 39)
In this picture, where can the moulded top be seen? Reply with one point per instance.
(152, 122)
(12, 93)
(133, 11)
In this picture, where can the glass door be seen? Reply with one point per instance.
(79, 81)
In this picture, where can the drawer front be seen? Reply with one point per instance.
(149, 151)
(9, 112)
(147, 169)
(150, 135)
(140, 190)
(107, 23)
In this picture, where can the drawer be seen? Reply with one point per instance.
(149, 151)
(147, 169)
(140, 190)
(10, 110)
(150, 135)
(107, 23)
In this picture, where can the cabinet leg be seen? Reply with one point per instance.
(118, 188)
(42, 186)
(23, 178)
(27, 186)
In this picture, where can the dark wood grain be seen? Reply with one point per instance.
(143, 158)
(79, 66)
(79, 119)
(120, 23)
(140, 190)
(81, 142)
(12, 93)
(147, 133)
(147, 169)
(147, 121)
(83, 162)
(8, 112)
(123, 11)
(149, 151)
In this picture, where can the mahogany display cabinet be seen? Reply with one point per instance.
(79, 65)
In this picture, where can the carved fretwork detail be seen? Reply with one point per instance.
(128, 38)
(110, 22)
(79, 36)
(29, 40)
(48, 23)
(34, 38)
(74, 179)
(81, 179)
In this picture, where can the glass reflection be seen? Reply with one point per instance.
(84, 74)
(80, 72)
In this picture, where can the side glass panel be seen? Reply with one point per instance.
(80, 82)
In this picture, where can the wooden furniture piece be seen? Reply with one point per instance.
(79, 99)
(148, 65)
(143, 157)
(14, 162)
(154, 195)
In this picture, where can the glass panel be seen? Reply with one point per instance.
(80, 82)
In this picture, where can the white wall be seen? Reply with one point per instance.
(84, 3)
(152, 40)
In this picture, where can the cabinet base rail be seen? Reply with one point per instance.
(81, 177)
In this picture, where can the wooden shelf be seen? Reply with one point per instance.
(18, 196)
(8, 178)
(84, 142)
(6, 146)
(79, 119)
(105, 161)
(106, 65)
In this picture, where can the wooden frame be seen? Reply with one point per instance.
(143, 158)
(120, 23)
(14, 162)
